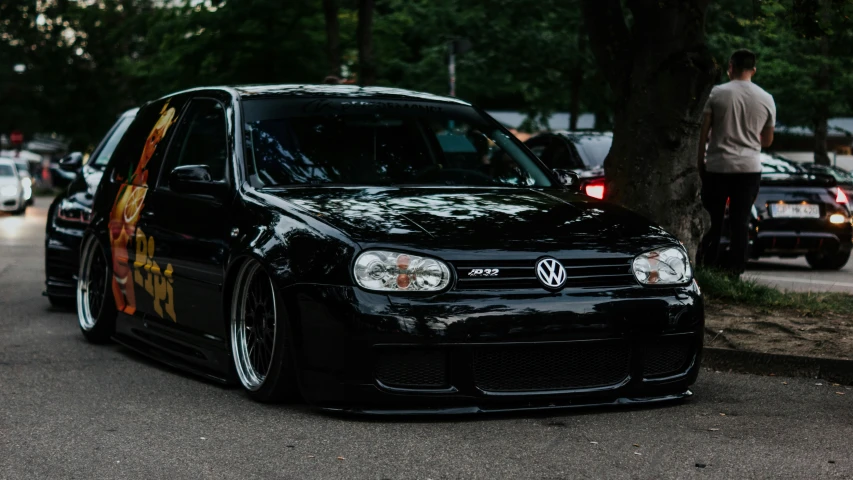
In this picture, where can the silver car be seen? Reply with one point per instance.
(12, 195)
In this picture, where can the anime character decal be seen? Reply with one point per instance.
(125, 215)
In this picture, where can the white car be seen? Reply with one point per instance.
(27, 182)
(12, 195)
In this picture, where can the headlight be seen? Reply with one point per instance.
(386, 271)
(26, 182)
(73, 212)
(666, 266)
(9, 190)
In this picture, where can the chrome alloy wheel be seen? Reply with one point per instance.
(92, 280)
(253, 325)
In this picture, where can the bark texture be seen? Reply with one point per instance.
(333, 37)
(661, 73)
(821, 114)
(366, 62)
(577, 82)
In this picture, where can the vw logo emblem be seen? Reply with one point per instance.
(551, 273)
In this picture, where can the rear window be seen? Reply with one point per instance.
(6, 170)
(772, 165)
(594, 149)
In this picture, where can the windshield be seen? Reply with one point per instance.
(380, 142)
(6, 170)
(107, 152)
(593, 149)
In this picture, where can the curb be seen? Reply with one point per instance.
(724, 359)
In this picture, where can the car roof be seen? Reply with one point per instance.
(307, 90)
(7, 161)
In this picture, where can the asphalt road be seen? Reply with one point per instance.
(796, 275)
(73, 410)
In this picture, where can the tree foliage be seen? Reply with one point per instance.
(805, 54)
(89, 59)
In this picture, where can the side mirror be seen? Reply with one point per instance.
(71, 162)
(569, 179)
(196, 179)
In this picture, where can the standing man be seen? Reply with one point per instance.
(739, 117)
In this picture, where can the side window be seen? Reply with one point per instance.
(115, 136)
(138, 147)
(202, 139)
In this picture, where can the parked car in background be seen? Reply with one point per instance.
(580, 152)
(26, 180)
(842, 177)
(801, 211)
(70, 212)
(11, 191)
(378, 250)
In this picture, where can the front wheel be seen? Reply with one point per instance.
(260, 342)
(833, 261)
(96, 311)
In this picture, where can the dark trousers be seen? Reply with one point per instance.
(740, 190)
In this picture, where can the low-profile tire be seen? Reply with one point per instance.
(260, 337)
(833, 261)
(96, 310)
(62, 303)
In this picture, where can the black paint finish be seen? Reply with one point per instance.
(307, 238)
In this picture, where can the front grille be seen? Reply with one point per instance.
(412, 368)
(665, 360)
(550, 367)
(513, 274)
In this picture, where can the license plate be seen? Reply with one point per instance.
(796, 210)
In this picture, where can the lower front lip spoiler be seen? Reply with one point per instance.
(504, 409)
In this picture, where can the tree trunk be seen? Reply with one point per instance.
(821, 128)
(366, 63)
(577, 83)
(661, 73)
(333, 37)
(821, 116)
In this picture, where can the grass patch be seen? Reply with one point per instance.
(719, 288)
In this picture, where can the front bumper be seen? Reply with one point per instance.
(62, 260)
(800, 236)
(471, 351)
(10, 204)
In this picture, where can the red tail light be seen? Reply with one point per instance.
(841, 197)
(595, 190)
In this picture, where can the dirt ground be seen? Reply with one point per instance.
(790, 333)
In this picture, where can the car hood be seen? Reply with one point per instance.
(507, 219)
(9, 180)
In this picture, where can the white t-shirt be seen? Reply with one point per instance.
(740, 111)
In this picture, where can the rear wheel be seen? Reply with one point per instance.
(260, 342)
(833, 261)
(96, 311)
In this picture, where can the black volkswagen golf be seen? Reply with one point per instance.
(378, 250)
